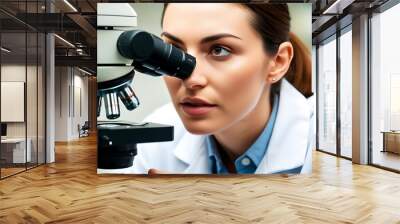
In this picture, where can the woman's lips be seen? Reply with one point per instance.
(196, 106)
(196, 110)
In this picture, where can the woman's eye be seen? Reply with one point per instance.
(219, 51)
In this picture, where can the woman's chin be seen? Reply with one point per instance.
(199, 127)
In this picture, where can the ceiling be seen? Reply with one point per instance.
(76, 26)
(332, 15)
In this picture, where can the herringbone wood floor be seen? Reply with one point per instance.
(70, 191)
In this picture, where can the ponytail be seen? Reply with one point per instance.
(299, 73)
(272, 22)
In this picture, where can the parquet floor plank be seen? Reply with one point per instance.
(70, 191)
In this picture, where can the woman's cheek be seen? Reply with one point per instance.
(240, 86)
(239, 97)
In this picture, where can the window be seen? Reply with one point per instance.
(327, 95)
(22, 66)
(346, 92)
(385, 89)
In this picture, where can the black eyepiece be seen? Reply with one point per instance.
(151, 55)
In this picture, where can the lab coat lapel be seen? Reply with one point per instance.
(191, 150)
(288, 144)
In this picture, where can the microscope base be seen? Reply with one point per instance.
(117, 141)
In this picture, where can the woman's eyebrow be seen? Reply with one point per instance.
(204, 40)
(172, 37)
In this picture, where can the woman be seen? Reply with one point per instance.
(244, 109)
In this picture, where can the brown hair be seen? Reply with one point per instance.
(272, 22)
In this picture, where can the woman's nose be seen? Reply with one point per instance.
(197, 79)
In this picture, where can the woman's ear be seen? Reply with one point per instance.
(280, 64)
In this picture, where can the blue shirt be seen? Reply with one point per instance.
(249, 161)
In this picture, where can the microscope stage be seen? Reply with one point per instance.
(122, 133)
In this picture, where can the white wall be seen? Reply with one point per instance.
(61, 103)
(79, 117)
(69, 81)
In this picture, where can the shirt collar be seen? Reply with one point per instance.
(216, 164)
(257, 150)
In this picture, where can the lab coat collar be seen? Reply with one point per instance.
(191, 150)
(287, 147)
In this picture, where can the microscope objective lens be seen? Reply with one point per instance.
(129, 98)
(112, 105)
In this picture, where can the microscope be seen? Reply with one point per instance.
(122, 49)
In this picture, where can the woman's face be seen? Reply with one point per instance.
(231, 65)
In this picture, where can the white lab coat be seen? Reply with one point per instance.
(290, 146)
